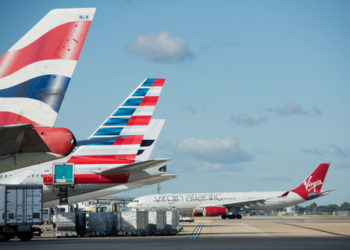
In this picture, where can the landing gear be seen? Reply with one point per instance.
(231, 216)
(25, 236)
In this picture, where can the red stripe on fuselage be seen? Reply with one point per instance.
(102, 159)
(62, 42)
(149, 101)
(9, 118)
(139, 120)
(92, 179)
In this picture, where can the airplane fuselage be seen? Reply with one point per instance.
(87, 180)
(191, 201)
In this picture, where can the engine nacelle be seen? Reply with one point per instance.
(214, 211)
(198, 211)
(60, 141)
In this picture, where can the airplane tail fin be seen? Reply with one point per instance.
(311, 187)
(35, 72)
(150, 139)
(118, 139)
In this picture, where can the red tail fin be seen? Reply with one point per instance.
(313, 184)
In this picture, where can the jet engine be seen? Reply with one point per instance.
(214, 211)
(198, 211)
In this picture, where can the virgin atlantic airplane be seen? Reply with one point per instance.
(229, 205)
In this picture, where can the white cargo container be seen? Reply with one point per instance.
(102, 224)
(156, 221)
(134, 222)
(21, 207)
(172, 221)
(70, 224)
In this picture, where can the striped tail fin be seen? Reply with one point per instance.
(150, 139)
(35, 72)
(118, 139)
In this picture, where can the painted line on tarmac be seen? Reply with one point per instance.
(316, 229)
(196, 232)
(256, 230)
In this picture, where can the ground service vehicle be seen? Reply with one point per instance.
(21, 207)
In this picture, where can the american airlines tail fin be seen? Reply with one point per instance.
(311, 187)
(118, 139)
(150, 139)
(35, 72)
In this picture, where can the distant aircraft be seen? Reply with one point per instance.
(113, 158)
(34, 76)
(229, 204)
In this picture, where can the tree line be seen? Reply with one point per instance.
(324, 208)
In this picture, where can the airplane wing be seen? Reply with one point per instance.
(20, 138)
(246, 203)
(138, 166)
(118, 189)
(157, 179)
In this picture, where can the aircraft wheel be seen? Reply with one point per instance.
(224, 217)
(26, 236)
(239, 216)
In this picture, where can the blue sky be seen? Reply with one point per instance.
(256, 96)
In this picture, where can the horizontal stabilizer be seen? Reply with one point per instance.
(312, 195)
(20, 138)
(138, 166)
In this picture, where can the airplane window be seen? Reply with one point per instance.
(32, 176)
(5, 176)
(0, 176)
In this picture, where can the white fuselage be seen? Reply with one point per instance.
(34, 175)
(189, 202)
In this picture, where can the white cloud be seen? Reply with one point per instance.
(271, 177)
(246, 120)
(161, 47)
(332, 150)
(190, 109)
(206, 145)
(214, 151)
(293, 108)
(211, 166)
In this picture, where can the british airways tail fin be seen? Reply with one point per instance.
(118, 139)
(35, 72)
(311, 187)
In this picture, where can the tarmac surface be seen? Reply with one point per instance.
(292, 232)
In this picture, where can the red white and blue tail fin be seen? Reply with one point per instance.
(35, 72)
(150, 139)
(118, 139)
(311, 187)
